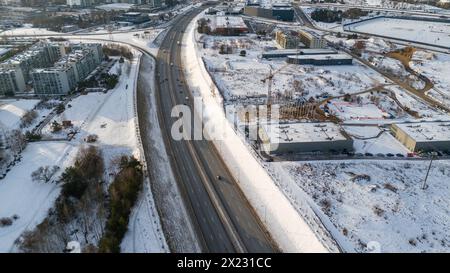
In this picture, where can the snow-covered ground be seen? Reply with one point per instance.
(27, 30)
(30, 200)
(435, 66)
(380, 203)
(240, 77)
(115, 6)
(358, 214)
(111, 117)
(434, 33)
(11, 111)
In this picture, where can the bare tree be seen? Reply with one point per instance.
(44, 174)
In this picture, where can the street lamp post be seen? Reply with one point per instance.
(424, 185)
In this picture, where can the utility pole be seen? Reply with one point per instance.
(424, 185)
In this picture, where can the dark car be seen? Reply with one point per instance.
(390, 155)
(400, 155)
(368, 154)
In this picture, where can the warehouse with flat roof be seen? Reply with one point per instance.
(303, 138)
(283, 53)
(423, 136)
(327, 59)
(227, 25)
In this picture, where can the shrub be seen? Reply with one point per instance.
(28, 118)
(88, 167)
(55, 126)
(91, 138)
(60, 108)
(5, 221)
(74, 184)
(32, 136)
(44, 174)
(124, 192)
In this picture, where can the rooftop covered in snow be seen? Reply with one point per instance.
(303, 132)
(426, 131)
(227, 22)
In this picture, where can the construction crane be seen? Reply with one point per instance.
(269, 80)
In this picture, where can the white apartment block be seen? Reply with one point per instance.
(39, 55)
(11, 81)
(54, 81)
(68, 71)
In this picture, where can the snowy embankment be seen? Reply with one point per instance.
(174, 216)
(144, 228)
(283, 222)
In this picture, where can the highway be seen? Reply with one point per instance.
(223, 219)
(222, 216)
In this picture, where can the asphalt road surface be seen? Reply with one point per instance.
(222, 216)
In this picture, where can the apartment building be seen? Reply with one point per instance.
(312, 39)
(288, 40)
(67, 72)
(41, 54)
(54, 81)
(11, 81)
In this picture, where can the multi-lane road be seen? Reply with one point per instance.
(223, 219)
(222, 216)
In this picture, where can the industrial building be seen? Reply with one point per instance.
(134, 18)
(276, 11)
(303, 138)
(283, 53)
(328, 59)
(288, 40)
(423, 136)
(312, 39)
(227, 25)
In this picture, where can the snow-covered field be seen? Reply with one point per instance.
(11, 111)
(115, 6)
(380, 203)
(30, 200)
(433, 33)
(27, 30)
(435, 66)
(240, 77)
